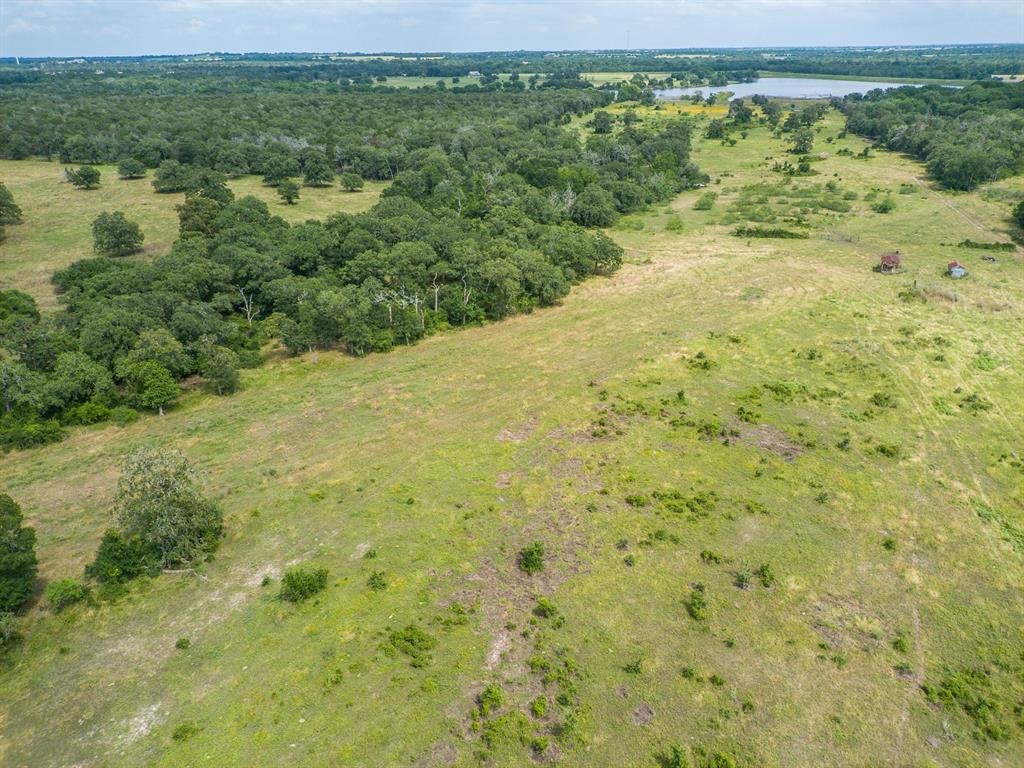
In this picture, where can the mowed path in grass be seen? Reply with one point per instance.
(57, 227)
(449, 456)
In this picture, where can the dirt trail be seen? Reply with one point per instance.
(962, 214)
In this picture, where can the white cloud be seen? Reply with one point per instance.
(24, 25)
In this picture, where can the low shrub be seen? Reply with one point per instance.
(64, 593)
(531, 558)
(185, 731)
(545, 608)
(414, 643)
(299, 584)
(377, 582)
(121, 558)
(490, 700)
(706, 201)
(766, 575)
(539, 706)
(769, 232)
(697, 604)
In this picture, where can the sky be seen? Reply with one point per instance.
(136, 27)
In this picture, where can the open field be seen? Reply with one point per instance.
(58, 217)
(717, 405)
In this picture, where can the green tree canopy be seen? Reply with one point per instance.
(17, 556)
(158, 500)
(288, 191)
(10, 213)
(351, 182)
(130, 168)
(85, 177)
(114, 235)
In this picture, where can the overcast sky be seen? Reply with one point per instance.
(126, 27)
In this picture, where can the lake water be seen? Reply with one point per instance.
(783, 87)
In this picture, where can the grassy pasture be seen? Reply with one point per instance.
(58, 217)
(568, 427)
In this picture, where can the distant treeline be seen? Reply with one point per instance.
(966, 136)
(489, 213)
(952, 62)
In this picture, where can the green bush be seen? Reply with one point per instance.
(18, 563)
(31, 434)
(766, 575)
(85, 414)
(490, 700)
(539, 706)
(697, 604)
(414, 643)
(300, 584)
(121, 558)
(122, 415)
(705, 202)
(545, 608)
(769, 232)
(531, 558)
(63, 593)
(885, 205)
(185, 731)
(10, 635)
(377, 582)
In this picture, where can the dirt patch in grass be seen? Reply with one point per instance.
(518, 433)
(643, 714)
(769, 438)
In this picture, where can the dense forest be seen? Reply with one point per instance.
(966, 136)
(489, 213)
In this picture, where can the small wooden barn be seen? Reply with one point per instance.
(956, 270)
(889, 262)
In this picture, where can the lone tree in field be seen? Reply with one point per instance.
(85, 177)
(130, 168)
(1018, 214)
(351, 182)
(10, 213)
(803, 141)
(158, 500)
(17, 556)
(114, 235)
(289, 191)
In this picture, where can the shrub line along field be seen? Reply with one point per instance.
(780, 499)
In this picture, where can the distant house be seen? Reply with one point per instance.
(889, 262)
(956, 270)
(473, 73)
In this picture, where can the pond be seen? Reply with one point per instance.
(784, 88)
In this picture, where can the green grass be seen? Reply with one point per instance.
(449, 457)
(58, 218)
